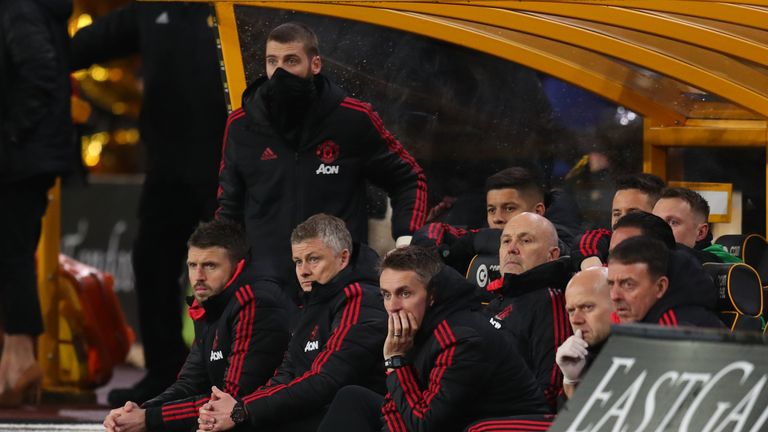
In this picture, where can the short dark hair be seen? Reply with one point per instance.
(645, 250)
(295, 31)
(650, 225)
(331, 230)
(698, 204)
(221, 233)
(519, 178)
(421, 260)
(649, 184)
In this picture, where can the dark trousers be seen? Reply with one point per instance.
(24, 203)
(168, 215)
(354, 408)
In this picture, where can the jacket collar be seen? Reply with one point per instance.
(451, 292)
(214, 306)
(552, 274)
(361, 268)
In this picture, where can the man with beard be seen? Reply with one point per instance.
(300, 146)
(241, 330)
(336, 342)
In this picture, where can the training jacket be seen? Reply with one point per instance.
(337, 341)
(240, 337)
(459, 370)
(36, 132)
(530, 308)
(272, 183)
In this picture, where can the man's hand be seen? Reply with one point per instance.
(590, 262)
(129, 418)
(109, 421)
(571, 357)
(402, 330)
(216, 414)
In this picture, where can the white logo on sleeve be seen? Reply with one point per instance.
(312, 346)
(216, 355)
(327, 169)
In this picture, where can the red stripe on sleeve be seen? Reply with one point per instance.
(350, 316)
(236, 114)
(510, 426)
(419, 214)
(672, 317)
(240, 351)
(584, 241)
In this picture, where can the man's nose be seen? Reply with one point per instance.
(512, 248)
(394, 305)
(198, 273)
(615, 294)
(577, 318)
(304, 269)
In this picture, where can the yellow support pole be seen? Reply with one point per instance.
(48, 287)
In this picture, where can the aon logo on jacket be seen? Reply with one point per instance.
(312, 346)
(327, 169)
(216, 355)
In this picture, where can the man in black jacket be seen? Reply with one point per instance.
(589, 307)
(446, 368)
(300, 146)
(36, 145)
(241, 331)
(183, 113)
(641, 291)
(336, 342)
(529, 306)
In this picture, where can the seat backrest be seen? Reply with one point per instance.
(755, 253)
(738, 288)
(734, 244)
(738, 322)
(483, 269)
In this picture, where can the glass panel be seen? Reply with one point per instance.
(466, 115)
(744, 167)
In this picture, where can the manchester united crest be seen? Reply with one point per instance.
(327, 151)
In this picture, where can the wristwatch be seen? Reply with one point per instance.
(239, 413)
(395, 362)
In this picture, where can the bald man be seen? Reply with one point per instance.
(588, 303)
(530, 306)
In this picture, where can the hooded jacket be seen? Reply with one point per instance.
(530, 308)
(36, 132)
(336, 342)
(240, 336)
(459, 370)
(272, 178)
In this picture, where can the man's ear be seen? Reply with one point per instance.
(554, 253)
(317, 64)
(662, 285)
(701, 231)
(539, 209)
(344, 255)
